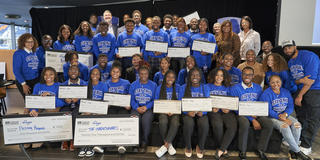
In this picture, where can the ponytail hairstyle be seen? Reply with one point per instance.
(163, 90)
(90, 85)
(187, 92)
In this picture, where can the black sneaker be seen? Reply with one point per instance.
(143, 148)
(292, 155)
(262, 155)
(243, 155)
(302, 156)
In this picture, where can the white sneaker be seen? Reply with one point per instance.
(161, 151)
(306, 151)
(171, 150)
(98, 149)
(122, 150)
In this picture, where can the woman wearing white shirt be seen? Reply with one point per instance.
(250, 39)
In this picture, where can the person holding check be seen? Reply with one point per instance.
(194, 88)
(72, 104)
(48, 86)
(142, 96)
(168, 90)
(280, 110)
(72, 58)
(219, 83)
(249, 91)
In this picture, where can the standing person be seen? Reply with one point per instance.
(167, 23)
(93, 20)
(227, 64)
(46, 44)
(280, 110)
(132, 73)
(168, 123)
(72, 58)
(164, 67)
(104, 42)
(259, 73)
(129, 38)
(218, 84)
(179, 39)
(249, 91)
(148, 23)
(139, 28)
(142, 96)
(72, 104)
(48, 86)
(107, 17)
(266, 50)
(183, 73)
(194, 88)
(203, 59)
(64, 39)
(25, 64)
(155, 35)
(83, 38)
(194, 27)
(103, 66)
(123, 28)
(175, 18)
(250, 39)
(228, 42)
(275, 64)
(216, 28)
(304, 69)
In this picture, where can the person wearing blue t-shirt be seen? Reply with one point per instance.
(227, 64)
(64, 39)
(72, 58)
(153, 58)
(168, 123)
(25, 64)
(280, 110)
(304, 69)
(194, 88)
(103, 66)
(46, 42)
(275, 64)
(249, 91)
(164, 67)
(129, 38)
(104, 42)
(194, 27)
(183, 73)
(142, 96)
(83, 38)
(179, 39)
(139, 28)
(218, 84)
(203, 59)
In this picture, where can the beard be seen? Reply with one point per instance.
(291, 55)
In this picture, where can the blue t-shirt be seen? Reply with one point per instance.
(121, 87)
(201, 91)
(83, 43)
(65, 46)
(105, 73)
(99, 90)
(133, 40)
(142, 94)
(235, 75)
(278, 103)
(155, 36)
(168, 92)
(180, 39)
(200, 59)
(25, 65)
(287, 82)
(140, 29)
(218, 90)
(306, 63)
(158, 78)
(104, 45)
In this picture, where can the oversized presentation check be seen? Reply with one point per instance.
(204, 46)
(253, 108)
(156, 46)
(102, 131)
(167, 106)
(128, 51)
(121, 100)
(225, 102)
(196, 104)
(72, 92)
(18, 129)
(178, 52)
(55, 59)
(189, 17)
(93, 106)
(41, 102)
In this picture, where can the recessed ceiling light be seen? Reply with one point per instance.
(46, 7)
(12, 16)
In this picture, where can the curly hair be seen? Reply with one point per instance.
(279, 63)
(23, 39)
(226, 77)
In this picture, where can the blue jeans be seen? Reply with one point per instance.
(145, 121)
(290, 133)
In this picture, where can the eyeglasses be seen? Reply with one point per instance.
(29, 42)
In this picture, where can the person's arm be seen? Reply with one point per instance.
(257, 43)
(290, 106)
(133, 102)
(113, 47)
(264, 98)
(17, 67)
(95, 47)
(76, 43)
(236, 45)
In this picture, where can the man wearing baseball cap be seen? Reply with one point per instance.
(305, 70)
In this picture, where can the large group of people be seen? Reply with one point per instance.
(235, 69)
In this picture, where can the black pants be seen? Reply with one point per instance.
(30, 83)
(309, 117)
(117, 110)
(224, 127)
(265, 134)
(202, 127)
